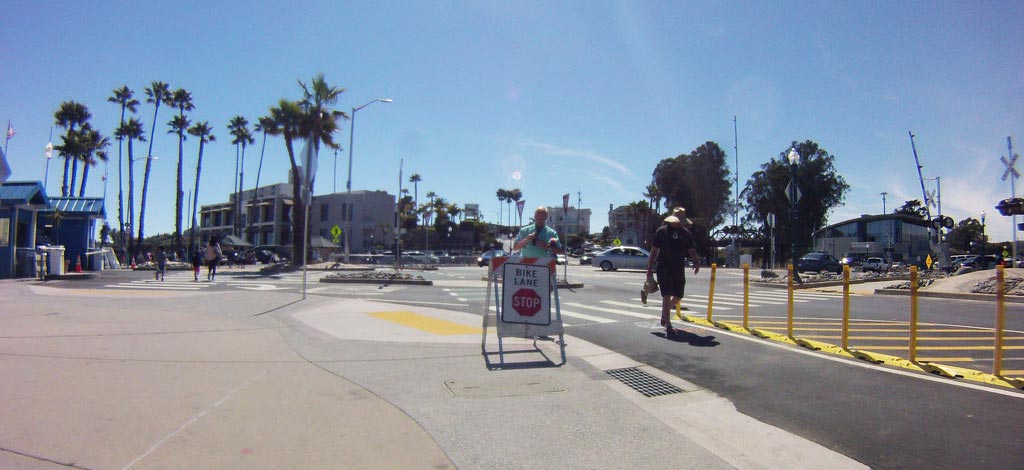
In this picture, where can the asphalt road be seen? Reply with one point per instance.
(881, 416)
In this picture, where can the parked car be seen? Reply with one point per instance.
(623, 257)
(982, 262)
(899, 266)
(818, 262)
(875, 264)
(485, 258)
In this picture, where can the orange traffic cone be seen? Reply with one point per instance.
(78, 265)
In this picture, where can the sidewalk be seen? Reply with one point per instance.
(233, 380)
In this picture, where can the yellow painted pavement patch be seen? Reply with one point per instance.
(424, 323)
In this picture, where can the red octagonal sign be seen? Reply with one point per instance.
(526, 302)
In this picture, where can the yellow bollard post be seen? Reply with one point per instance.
(789, 315)
(746, 294)
(711, 290)
(846, 306)
(913, 314)
(997, 366)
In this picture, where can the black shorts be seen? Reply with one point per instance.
(671, 281)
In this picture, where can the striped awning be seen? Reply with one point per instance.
(92, 206)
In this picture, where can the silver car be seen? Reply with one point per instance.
(622, 257)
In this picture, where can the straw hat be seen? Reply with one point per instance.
(678, 216)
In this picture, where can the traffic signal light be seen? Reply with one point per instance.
(1011, 206)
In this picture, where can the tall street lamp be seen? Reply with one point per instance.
(348, 183)
(794, 195)
(983, 241)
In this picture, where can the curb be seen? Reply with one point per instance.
(951, 372)
(814, 285)
(951, 295)
(378, 282)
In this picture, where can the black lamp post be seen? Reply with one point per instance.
(983, 241)
(794, 160)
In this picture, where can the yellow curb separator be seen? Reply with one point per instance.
(425, 323)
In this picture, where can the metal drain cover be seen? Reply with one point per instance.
(643, 382)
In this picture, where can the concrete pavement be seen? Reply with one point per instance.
(107, 379)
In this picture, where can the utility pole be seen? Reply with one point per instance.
(883, 193)
(736, 206)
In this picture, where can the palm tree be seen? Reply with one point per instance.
(69, 115)
(179, 125)
(131, 130)
(181, 99)
(239, 128)
(287, 116)
(415, 180)
(95, 145)
(319, 122)
(157, 93)
(512, 195)
(266, 125)
(124, 97)
(204, 132)
(654, 196)
(515, 195)
(502, 196)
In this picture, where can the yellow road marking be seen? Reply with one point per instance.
(904, 338)
(427, 324)
(931, 348)
(884, 330)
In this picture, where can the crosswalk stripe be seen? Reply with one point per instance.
(583, 316)
(122, 286)
(610, 310)
(739, 297)
(718, 301)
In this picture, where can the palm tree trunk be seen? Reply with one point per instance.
(64, 184)
(85, 178)
(238, 200)
(74, 174)
(195, 194)
(131, 200)
(142, 204)
(179, 198)
(298, 242)
(256, 212)
(145, 175)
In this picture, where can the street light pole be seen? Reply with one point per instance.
(348, 183)
(794, 194)
(983, 241)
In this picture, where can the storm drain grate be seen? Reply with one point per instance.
(643, 382)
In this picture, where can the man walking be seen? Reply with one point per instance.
(672, 244)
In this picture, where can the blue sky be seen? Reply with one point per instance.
(581, 96)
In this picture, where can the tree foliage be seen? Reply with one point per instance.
(698, 182)
(913, 208)
(967, 231)
(822, 189)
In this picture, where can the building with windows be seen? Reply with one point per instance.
(625, 227)
(368, 217)
(572, 221)
(895, 237)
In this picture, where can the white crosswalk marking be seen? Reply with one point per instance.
(719, 301)
(610, 310)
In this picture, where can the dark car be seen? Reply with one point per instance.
(818, 262)
(982, 262)
(485, 258)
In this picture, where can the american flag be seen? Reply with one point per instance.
(10, 131)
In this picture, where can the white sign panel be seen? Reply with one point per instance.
(471, 211)
(526, 294)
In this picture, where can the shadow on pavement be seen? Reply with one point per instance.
(684, 336)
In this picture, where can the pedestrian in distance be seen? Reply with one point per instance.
(197, 262)
(537, 240)
(213, 255)
(672, 244)
(161, 263)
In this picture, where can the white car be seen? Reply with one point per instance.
(622, 257)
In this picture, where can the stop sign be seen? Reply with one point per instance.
(526, 302)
